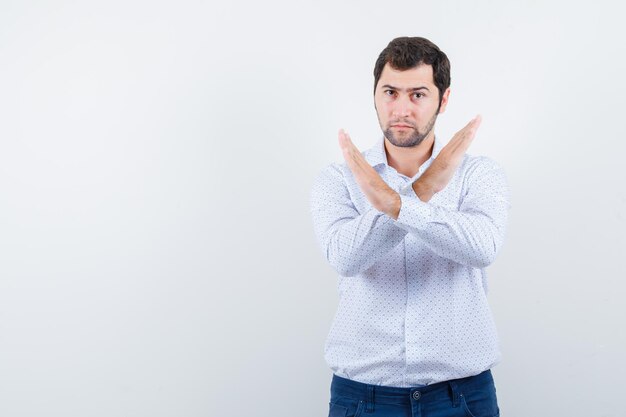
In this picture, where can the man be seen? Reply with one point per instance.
(410, 226)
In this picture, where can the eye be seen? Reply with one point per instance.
(390, 92)
(418, 95)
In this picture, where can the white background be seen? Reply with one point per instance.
(157, 256)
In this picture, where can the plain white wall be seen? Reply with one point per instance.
(157, 256)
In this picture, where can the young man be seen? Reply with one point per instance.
(410, 226)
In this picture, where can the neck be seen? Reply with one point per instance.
(408, 160)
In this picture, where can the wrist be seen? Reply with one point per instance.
(423, 190)
(392, 205)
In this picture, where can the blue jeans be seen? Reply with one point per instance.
(474, 396)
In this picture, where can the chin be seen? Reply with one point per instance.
(407, 143)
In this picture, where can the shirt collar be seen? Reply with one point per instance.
(377, 155)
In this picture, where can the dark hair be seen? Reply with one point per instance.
(405, 53)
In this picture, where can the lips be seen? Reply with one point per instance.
(400, 124)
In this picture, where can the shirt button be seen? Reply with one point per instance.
(416, 395)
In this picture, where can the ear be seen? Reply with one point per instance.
(444, 100)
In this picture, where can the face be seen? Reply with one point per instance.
(407, 104)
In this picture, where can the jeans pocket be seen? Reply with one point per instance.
(480, 403)
(348, 410)
(337, 410)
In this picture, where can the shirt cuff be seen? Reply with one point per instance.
(414, 213)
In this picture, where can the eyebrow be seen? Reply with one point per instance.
(408, 90)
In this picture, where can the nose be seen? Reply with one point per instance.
(402, 107)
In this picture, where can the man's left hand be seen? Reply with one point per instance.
(380, 195)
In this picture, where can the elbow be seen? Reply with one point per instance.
(483, 260)
(344, 271)
(347, 270)
(342, 265)
(345, 263)
(487, 248)
(486, 255)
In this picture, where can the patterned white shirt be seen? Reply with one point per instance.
(412, 292)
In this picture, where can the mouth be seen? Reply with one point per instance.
(402, 126)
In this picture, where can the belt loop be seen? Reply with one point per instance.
(370, 399)
(454, 391)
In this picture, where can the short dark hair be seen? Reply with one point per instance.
(405, 53)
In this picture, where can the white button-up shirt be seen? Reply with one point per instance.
(412, 291)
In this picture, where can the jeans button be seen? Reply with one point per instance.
(416, 395)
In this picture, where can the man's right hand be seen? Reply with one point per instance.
(439, 173)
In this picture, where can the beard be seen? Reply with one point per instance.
(408, 138)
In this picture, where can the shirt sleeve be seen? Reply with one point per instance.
(351, 241)
(471, 235)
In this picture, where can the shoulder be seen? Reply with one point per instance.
(480, 162)
(329, 183)
(332, 172)
(482, 172)
(482, 175)
(340, 172)
(480, 167)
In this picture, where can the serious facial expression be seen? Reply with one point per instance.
(407, 104)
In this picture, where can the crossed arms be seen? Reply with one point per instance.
(470, 235)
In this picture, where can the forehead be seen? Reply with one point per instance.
(422, 75)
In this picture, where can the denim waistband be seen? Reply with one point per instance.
(399, 395)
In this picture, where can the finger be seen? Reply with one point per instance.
(478, 120)
(349, 151)
(475, 125)
(355, 154)
(341, 139)
(470, 132)
(351, 144)
(343, 142)
(347, 146)
(472, 125)
(464, 137)
(354, 158)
